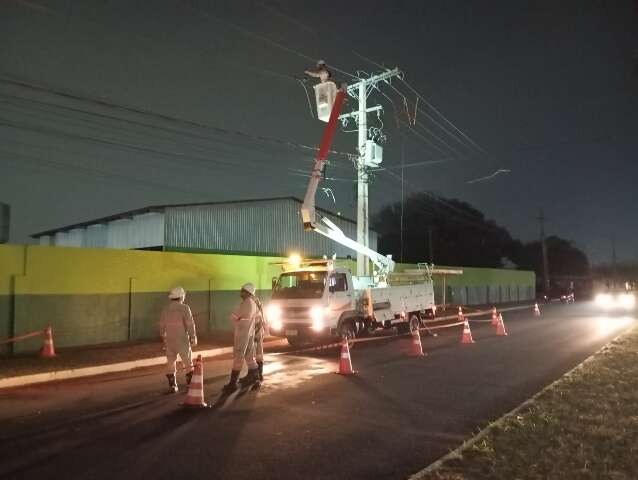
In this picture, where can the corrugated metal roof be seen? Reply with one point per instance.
(161, 208)
(272, 227)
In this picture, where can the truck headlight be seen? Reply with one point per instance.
(273, 316)
(317, 315)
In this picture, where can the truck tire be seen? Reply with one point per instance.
(414, 322)
(348, 330)
(296, 341)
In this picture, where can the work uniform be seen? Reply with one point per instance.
(177, 328)
(244, 316)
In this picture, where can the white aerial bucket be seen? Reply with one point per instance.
(325, 94)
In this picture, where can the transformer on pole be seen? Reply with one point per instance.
(366, 157)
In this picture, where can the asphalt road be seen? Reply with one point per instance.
(397, 415)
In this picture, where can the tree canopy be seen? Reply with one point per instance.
(461, 235)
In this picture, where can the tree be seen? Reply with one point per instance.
(563, 257)
(461, 235)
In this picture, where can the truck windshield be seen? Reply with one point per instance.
(300, 285)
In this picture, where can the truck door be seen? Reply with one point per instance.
(340, 294)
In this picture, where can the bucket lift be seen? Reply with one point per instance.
(325, 94)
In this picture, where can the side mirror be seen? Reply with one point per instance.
(274, 283)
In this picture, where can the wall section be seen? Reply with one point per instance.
(93, 296)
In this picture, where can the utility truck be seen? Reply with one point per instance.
(318, 300)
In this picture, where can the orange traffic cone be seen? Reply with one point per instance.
(416, 349)
(460, 315)
(195, 395)
(345, 365)
(500, 326)
(537, 311)
(48, 350)
(494, 316)
(467, 333)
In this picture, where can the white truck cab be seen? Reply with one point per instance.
(318, 301)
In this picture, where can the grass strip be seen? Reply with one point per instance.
(584, 426)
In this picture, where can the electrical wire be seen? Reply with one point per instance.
(225, 21)
(159, 116)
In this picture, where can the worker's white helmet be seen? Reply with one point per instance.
(249, 287)
(321, 62)
(177, 292)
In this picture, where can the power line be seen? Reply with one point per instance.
(138, 111)
(198, 147)
(246, 31)
(441, 115)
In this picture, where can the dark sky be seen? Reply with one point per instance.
(547, 90)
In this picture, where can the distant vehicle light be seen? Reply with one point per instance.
(627, 300)
(604, 300)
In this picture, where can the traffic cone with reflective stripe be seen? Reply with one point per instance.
(416, 349)
(467, 333)
(345, 365)
(537, 311)
(494, 317)
(460, 315)
(48, 350)
(500, 327)
(195, 395)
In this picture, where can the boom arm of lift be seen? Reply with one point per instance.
(384, 264)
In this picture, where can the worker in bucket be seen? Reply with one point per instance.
(321, 72)
(243, 317)
(177, 329)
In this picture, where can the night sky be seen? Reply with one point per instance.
(545, 89)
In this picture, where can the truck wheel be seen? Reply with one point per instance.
(296, 341)
(348, 330)
(414, 322)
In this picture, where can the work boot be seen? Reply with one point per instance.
(231, 386)
(260, 367)
(172, 384)
(189, 377)
(251, 378)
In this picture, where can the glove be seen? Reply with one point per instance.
(193, 341)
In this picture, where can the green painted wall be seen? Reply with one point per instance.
(93, 296)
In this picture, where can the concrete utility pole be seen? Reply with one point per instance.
(541, 219)
(614, 274)
(360, 91)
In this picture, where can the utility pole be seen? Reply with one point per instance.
(430, 246)
(360, 91)
(541, 219)
(613, 261)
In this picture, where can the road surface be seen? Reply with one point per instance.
(397, 415)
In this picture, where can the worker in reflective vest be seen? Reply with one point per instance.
(177, 330)
(244, 316)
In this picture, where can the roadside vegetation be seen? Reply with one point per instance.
(585, 426)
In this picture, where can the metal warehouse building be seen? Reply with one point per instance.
(269, 226)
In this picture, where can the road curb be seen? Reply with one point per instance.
(457, 452)
(57, 375)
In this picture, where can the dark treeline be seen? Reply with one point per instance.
(461, 235)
